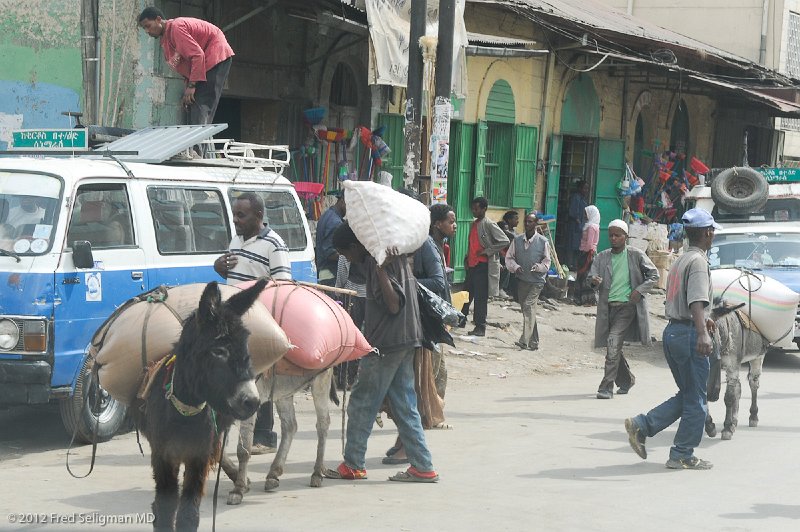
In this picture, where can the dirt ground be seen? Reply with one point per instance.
(566, 333)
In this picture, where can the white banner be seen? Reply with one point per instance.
(389, 29)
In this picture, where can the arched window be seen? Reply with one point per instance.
(343, 87)
(679, 136)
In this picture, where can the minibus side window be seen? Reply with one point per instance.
(188, 220)
(282, 215)
(101, 215)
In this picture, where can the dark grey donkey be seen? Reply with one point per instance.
(738, 343)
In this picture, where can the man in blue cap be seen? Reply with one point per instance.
(687, 346)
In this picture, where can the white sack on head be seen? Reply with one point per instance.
(381, 217)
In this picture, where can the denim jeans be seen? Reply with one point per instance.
(690, 371)
(392, 376)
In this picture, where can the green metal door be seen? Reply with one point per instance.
(610, 170)
(480, 158)
(393, 136)
(553, 175)
(525, 149)
(459, 191)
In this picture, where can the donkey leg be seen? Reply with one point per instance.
(286, 413)
(319, 391)
(754, 376)
(165, 473)
(241, 484)
(733, 391)
(711, 428)
(194, 481)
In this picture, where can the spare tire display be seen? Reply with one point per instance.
(740, 190)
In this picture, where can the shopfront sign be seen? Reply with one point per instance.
(49, 139)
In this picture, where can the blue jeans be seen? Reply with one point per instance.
(690, 371)
(390, 375)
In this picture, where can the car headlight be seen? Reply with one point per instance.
(9, 335)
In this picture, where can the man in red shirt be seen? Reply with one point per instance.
(198, 51)
(486, 239)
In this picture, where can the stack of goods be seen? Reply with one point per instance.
(382, 218)
(146, 328)
(653, 240)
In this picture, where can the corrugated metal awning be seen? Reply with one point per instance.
(156, 144)
(496, 40)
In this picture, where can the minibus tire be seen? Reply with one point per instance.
(740, 190)
(79, 416)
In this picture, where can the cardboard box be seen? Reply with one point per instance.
(637, 230)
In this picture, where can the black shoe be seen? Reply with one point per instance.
(479, 330)
(462, 322)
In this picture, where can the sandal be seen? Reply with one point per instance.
(345, 472)
(412, 475)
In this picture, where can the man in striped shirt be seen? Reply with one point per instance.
(256, 251)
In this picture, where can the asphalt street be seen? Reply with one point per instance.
(527, 453)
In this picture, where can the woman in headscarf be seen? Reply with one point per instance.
(587, 251)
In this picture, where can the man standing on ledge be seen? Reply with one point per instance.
(198, 51)
(687, 344)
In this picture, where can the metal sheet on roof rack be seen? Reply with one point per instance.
(156, 144)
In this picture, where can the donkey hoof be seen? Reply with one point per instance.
(235, 498)
(316, 481)
(727, 435)
(753, 422)
(271, 484)
(711, 430)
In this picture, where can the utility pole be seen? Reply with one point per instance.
(440, 134)
(411, 130)
(90, 60)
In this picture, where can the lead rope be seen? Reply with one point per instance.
(216, 484)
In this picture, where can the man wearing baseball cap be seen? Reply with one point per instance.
(687, 345)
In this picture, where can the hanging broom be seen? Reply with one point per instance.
(427, 45)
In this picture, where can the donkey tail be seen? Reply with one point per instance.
(333, 395)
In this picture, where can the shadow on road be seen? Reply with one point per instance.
(767, 510)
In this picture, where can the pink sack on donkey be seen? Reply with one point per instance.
(321, 331)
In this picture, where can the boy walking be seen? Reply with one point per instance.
(624, 275)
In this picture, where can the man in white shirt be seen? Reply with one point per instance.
(27, 212)
(256, 251)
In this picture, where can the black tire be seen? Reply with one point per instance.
(740, 190)
(79, 415)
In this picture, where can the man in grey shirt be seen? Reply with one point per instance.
(687, 345)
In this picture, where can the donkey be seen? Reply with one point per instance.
(193, 398)
(738, 343)
(281, 389)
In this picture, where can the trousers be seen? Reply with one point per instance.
(617, 368)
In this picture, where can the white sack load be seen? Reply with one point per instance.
(157, 315)
(771, 304)
(381, 217)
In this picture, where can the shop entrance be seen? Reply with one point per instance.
(578, 164)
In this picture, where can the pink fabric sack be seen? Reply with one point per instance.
(320, 330)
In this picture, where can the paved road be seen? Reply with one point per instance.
(531, 453)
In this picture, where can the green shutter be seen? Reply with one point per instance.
(393, 136)
(525, 152)
(553, 175)
(480, 158)
(500, 103)
(610, 169)
(459, 191)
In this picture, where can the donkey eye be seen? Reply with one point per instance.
(220, 353)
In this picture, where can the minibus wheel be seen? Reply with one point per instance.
(80, 414)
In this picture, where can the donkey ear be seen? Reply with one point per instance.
(209, 303)
(239, 303)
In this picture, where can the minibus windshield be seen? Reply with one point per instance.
(28, 212)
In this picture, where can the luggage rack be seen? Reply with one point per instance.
(246, 154)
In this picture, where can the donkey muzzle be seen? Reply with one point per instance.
(245, 401)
